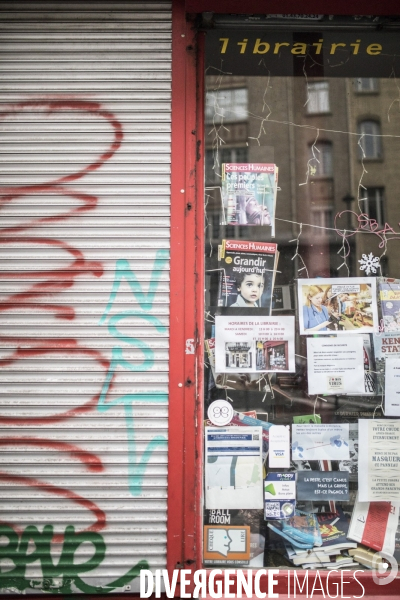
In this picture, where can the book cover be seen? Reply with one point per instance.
(249, 194)
(334, 528)
(370, 375)
(389, 297)
(386, 346)
(396, 553)
(301, 530)
(228, 545)
(366, 557)
(242, 420)
(246, 519)
(307, 419)
(374, 524)
(246, 273)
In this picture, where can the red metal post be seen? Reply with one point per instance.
(186, 294)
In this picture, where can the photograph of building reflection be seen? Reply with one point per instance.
(272, 356)
(238, 355)
(326, 135)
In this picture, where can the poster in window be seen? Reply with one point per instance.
(379, 460)
(254, 344)
(338, 305)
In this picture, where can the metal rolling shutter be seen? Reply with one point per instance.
(84, 279)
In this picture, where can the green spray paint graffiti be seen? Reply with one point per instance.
(136, 465)
(63, 577)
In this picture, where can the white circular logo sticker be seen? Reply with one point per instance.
(220, 412)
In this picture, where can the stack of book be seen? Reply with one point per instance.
(333, 552)
(320, 559)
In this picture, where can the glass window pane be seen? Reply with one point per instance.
(301, 225)
(370, 140)
(227, 105)
(321, 159)
(366, 84)
(318, 97)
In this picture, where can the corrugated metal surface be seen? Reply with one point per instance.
(84, 281)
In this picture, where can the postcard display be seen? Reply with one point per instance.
(302, 403)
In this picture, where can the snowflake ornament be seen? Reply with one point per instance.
(369, 264)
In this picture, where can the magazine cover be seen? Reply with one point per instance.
(389, 296)
(249, 193)
(338, 305)
(371, 380)
(386, 346)
(247, 273)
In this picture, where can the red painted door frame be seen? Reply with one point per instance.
(184, 533)
(186, 298)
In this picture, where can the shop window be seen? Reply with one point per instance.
(322, 218)
(226, 105)
(214, 160)
(321, 159)
(371, 142)
(318, 97)
(373, 204)
(296, 368)
(366, 84)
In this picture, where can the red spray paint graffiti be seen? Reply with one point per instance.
(49, 284)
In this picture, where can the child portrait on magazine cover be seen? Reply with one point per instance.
(250, 287)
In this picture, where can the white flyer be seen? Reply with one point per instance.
(336, 365)
(249, 344)
(392, 387)
(379, 460)
(279, 447)
(342, 305)
(322, 441)
(233, 470)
